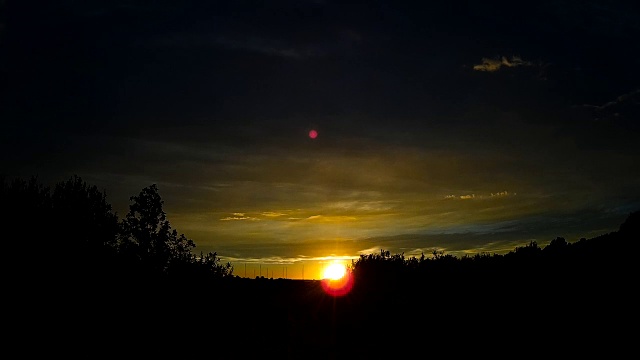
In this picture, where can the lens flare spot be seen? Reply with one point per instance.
(313, 134)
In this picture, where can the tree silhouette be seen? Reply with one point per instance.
(147, 235)
(631, 226)
(84, 216)
(210, 265)
(26, 220)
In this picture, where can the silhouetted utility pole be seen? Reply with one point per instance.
(302, 272)
(260, 269)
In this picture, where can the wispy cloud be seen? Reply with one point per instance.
(281, 260)
(491, 65)
(268, 47)
(501, 194)
(250, 43)
(357, 205)
(239, 216)
(272, 214)
(331, 218)
(633, 97)
(625, 105)
(371, 250)
(498, 194)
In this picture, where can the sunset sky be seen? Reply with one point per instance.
(463, 127)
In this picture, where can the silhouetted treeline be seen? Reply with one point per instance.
(606, 255)
(69, 233)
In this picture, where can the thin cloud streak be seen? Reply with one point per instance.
(491, 65)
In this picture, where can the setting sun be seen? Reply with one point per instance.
(334, 271)
(337, 280)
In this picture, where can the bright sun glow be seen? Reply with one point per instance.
(337, 280)
(334, 271)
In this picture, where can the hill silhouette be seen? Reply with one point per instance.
(78, 280)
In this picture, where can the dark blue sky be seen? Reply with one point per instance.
(463, 126)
